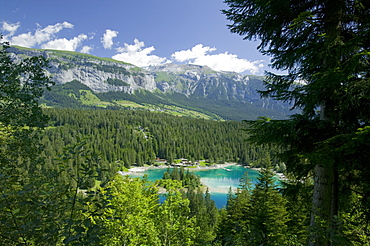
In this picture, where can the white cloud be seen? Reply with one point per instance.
(40, 36)
(45, 37)
(10, 27)
(135, 53)
(86, 49)
(65, 44)
(221, 62)
(195, 52)
(138, 55)
(107, 39)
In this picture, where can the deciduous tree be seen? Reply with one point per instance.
(21, 84)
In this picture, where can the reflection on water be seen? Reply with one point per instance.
(218, 180)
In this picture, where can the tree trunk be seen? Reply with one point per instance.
(322, 205)
(325, 194)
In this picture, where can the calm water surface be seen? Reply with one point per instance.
(218, 180)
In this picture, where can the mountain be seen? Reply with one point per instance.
(84, 80)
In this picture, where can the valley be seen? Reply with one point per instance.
(85, 81)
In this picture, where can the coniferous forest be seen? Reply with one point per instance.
(59, 167)
(139, 137)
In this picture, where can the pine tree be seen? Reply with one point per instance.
(234, 226)
(323, 46)
(203, 208)
(268, 216)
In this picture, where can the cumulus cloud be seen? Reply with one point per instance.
(107, 39)
(194, 53)
(65, 44)
(11, 28)
(138, 55)
(86, 49)
(221, 62)
(41, 35)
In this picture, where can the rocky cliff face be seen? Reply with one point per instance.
(186, 79)
(92, 71)
(201, 81)
(105, 74)
(97, 79)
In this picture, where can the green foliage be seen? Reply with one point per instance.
(173, 221)
(187, 178)
(21, 83)
(46, 206)
(298, 194)
(67, 95)
(129, 218)
(117, 82)
(256, 216)
(173, 103)
(78, 198)
(268, 216)
(88, 98)
(41, 204)
(323, 46)
(234, 223)
(163, 77)
(203, 208)
(134, 215)
(125, 138)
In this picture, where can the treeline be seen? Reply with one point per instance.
(188, 179)
(259, 216)
(67, 95)
(266, 214)
(124, 138)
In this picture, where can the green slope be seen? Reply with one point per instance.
(77, 95)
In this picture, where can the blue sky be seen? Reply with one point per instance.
(141, 32)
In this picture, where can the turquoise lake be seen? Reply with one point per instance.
(217, 180)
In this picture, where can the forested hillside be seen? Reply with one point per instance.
(125, 138)
(74, 94)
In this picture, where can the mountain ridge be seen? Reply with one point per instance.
(214, 92)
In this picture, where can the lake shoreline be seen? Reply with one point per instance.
(135, 170)
(229, 175)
